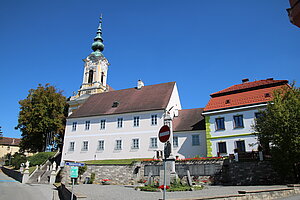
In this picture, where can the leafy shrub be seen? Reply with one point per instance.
(81, 170)
(92, 178)
(17, 159)
(40, 158)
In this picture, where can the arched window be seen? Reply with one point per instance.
(102, 77)
(91, 74)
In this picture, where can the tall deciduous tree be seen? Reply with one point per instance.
(279, 126)
(42, 118)
(1, 132)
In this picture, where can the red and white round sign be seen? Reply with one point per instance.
(164, 134)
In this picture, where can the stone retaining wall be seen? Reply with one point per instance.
(247, 173)
(12, 173)
(118, 174)
(227, 173)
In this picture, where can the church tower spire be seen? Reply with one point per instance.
(94, 75)
(98, 45)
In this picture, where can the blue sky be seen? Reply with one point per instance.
(205, 46)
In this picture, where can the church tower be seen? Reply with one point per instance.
(94, 75)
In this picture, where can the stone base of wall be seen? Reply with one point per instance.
(117, 174)
(247, 173)
(227, 173)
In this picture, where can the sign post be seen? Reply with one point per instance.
(164, 135)
(74, 172)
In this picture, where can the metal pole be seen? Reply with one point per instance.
(72, 188)
(164, 193)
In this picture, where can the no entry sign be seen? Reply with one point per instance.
(164, 133)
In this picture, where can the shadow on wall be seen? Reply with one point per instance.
(188, 149)
(246, 173)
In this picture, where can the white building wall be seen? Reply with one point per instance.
(250, 144)
(174, 102)
(110, 134)
(230, 135)
(185, 148)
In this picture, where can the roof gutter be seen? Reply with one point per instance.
(234, 109)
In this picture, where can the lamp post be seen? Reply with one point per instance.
(168, 122)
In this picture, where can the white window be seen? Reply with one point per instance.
(87, 125)
(175, 141)
(72, 146)
(153, 142)
(135, 143)
(102, 124)
(120, 122)
(74, 126)
(118, 145)
(195, 140)
(220, 123)
(100, 145)
(85, 146)
(238, 121)
(153, 119)
(222, 147)
(136, 121)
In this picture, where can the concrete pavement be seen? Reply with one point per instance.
(117, 192)
(13, 190)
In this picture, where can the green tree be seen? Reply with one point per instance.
(17, 159)
(278, 130)
(42, 118)
(1, 133)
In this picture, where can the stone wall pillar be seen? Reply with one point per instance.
(26, 173)
(53, 173)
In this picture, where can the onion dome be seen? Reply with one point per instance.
(98, 45)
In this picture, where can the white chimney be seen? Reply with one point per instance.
(176, 112)
(140, 84)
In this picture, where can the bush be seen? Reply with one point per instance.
(92, 178)
(17, 159)
(40, 158)
(81, 170)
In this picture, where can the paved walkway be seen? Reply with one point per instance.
(116, 192)
(11, 189)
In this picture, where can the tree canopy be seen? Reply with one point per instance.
(42, 118)
(278, 130)
(1, 133)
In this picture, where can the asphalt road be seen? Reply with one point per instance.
(13, 190)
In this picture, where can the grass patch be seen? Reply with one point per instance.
(149, 188)
(114, 162)
(177, 188)
(40, 158)
(31, 169)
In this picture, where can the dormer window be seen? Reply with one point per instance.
(227, 101)
(115, 104)
(267, 95)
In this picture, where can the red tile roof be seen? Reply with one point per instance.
(152, 97)
(189, 120)
(10, 141)
(244, 94)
